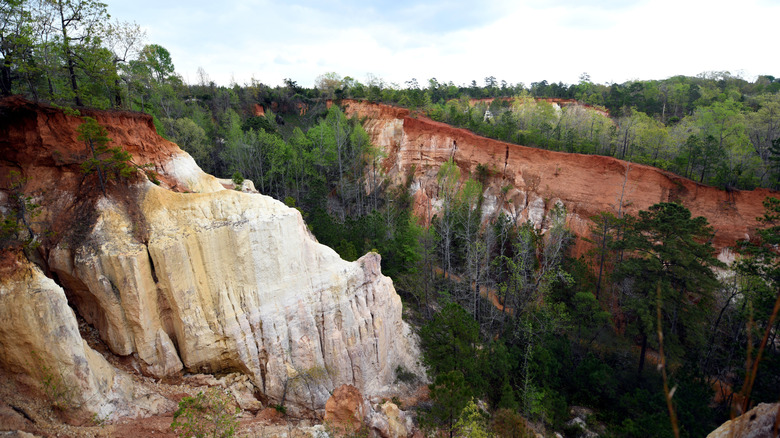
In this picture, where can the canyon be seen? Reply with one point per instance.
(190, 280)
(527, 183)
(183, 277)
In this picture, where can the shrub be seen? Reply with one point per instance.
(238, 181)
(61, 394)
(510, 424)
(209, 414)
(16, 222)
(108, 162)
(405, 376)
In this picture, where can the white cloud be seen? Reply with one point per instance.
(614, 40)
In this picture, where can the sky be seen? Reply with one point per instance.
(613, 41)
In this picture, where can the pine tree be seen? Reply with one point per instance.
(668, 249)
(109, 162)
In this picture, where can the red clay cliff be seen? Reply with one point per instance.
(527, 182)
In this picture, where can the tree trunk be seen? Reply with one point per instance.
(117, 94)
(99, 167)
(5, 78)
(69, 56)
(642, 355)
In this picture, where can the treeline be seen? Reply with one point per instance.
(727, 144)
(717, 129)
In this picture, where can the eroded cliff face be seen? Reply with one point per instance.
(526, 183)
(40, 339)
(190, 276)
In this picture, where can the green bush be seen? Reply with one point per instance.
(209, 414)
(405, 376)
(16, 222)
(508, 423)
(238, 181)
(280, 408)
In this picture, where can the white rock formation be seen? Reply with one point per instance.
(201, 281)
(39, 337)
(759, 422)
(235, 281)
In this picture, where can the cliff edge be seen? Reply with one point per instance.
(185, 276)
(526, 183)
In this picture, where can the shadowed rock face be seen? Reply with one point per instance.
(761, 421)
(190, 276)
(40, 339)
(527, 182)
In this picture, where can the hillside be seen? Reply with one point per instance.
(182, 278)
(527, 182)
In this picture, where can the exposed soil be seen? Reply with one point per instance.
(585, 184)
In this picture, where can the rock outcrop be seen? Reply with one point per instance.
(346, 410)
(527, 183)
(761, 421)
(40, 339)
(190, 276)
(388, 421)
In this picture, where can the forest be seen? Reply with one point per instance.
(648, 330)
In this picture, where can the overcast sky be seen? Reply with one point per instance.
(460, 41)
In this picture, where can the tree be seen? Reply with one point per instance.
(188, 136)
(472, 422)
(668, 249)
(124, 41)
(532, 266)
(328, 84)
(78, 25)
(158, 60)
(469, 202)
(109, 162)
(96, 138)
(15, 40)
(774, 161)
(451, 342)
(603, 234)
(450, 394)
(449, 182)
(763, 128)
(761, 269)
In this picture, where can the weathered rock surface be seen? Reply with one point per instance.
(761, 421)
(389, 421)
(346, 410)
(526, 182)
(213, 281)
(40, 338)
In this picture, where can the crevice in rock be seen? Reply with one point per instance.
(351, 366)
(84, 304)
(320, 321)
(506, 161)
(23, 413)
(262, 357)
(376, 338)
(151, 265)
